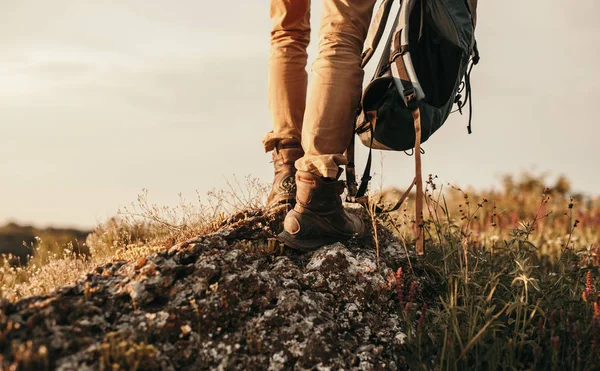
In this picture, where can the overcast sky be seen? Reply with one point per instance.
(101, 99)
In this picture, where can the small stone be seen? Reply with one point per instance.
(186, 329)
(141, 262)
(43, 351)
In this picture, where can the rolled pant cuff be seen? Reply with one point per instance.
(271, 140)
(327, 166)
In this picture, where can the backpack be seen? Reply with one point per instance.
(424, 68)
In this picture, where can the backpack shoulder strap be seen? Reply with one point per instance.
(376, 31)
(403, 71)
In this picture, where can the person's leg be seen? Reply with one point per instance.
(290, 36)
(335, 86)
(318, 217)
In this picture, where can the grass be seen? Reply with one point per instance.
(509, 279)
(20, 241)
(119, 352)
(138, 230)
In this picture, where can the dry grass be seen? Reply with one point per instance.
(547, 218)
(118, 352)
(138, 230)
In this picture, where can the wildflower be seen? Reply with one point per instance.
(541, 327)
(400, 286)
(412, 292)
(555, 341)
(552, 316)
(589, 291)
(422, 318)
(389, 280)
(399, 273)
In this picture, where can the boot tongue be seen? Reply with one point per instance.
(339, 187)
(340, 184)
(335, 186)
(318, 194)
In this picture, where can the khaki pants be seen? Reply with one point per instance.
(325, 121)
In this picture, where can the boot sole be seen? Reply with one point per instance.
(306, 245)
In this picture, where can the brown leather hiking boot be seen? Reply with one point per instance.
(283, 191)
(318, 218)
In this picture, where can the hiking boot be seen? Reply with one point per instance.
(318, 218)
(283, 191)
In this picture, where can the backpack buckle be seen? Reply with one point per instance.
(398, 53)
(410, 95)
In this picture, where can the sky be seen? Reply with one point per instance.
(99, 100)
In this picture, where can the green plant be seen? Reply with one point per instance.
(502, 298)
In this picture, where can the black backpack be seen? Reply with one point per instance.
(424, 69)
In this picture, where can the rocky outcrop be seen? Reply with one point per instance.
(212, 303)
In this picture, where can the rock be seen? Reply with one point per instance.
(208, 304)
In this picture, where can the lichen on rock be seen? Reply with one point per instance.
(209, 304)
